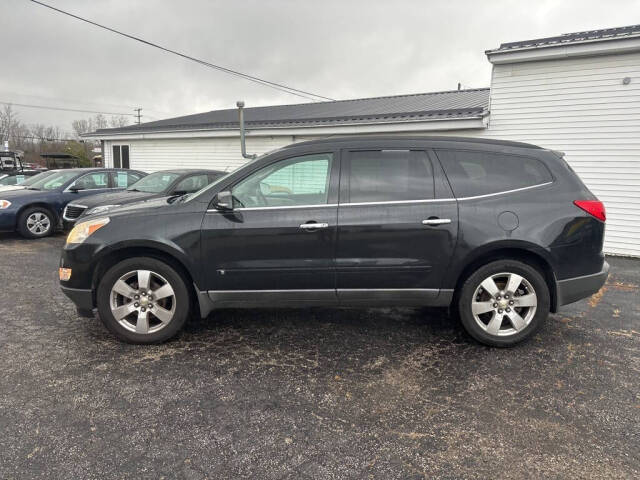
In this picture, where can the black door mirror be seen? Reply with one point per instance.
(223, 201)
(76, 188)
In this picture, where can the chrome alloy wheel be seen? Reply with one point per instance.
(504, 304)
(142, 301)
(38, 223)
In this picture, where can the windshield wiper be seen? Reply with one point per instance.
(33, 188)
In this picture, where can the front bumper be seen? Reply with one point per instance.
(573, 289)
(8, 219)
(82, 298)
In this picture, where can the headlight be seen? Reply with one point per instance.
(4, 204)
(101, 209)
(83, 230)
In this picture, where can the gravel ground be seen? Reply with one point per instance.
(321, 393)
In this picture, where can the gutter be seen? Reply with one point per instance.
(232, 130)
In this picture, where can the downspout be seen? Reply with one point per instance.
(243, 147)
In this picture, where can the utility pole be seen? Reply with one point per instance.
(138, 115)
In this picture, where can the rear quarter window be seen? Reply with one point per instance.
(473, 173)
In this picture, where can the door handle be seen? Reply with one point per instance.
(436, 221)
(313, 226)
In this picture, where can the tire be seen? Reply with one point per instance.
(522, 312)
(115, 299)
(36, 222)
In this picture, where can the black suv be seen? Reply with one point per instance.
(502, 232)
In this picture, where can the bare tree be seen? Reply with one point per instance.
(8, 121)
(118, 121)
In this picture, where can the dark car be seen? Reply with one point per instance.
(160, 184)
(502, 232)
(36, 211)
(17, 177)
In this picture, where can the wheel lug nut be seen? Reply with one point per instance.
(508, 309)
(136, 297)
(506, 296)
(495, 305)
(499, 310)
(510, 302)
(136, 304)
(143, 309)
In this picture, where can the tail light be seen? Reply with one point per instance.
(593, 208)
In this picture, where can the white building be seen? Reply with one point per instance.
(578, 93)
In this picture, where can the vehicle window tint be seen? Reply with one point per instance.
(192, 184)
(93, 181)
(389, 175)
(155, 183)
(481, 173)
(124, 179)
(296, 181)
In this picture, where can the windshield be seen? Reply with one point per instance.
(195, 195)
(36, 178)
(154, 183)
(56, 180)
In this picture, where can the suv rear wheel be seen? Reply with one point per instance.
(143, 300)
(503, 303)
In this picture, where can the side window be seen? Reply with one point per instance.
(123, 179)
(481, 173)
(121, 156)
(389, 175)
(295, 181)
(192, 184)
(93, 181)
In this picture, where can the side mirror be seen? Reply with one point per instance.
(76, 188)
(179, 193)
(223, 200)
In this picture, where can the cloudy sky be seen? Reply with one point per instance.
(340, 49)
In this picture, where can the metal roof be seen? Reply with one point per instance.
(570, 38)
(471, 103)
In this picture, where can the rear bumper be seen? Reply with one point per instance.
(573, 289)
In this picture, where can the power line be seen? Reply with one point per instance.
(46, 139)
(45, 107)
(67, 100)
(277, 86)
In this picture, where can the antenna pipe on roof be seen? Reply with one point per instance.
(243, 147)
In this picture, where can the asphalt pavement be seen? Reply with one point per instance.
(313, 393)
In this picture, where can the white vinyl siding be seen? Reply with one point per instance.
(581, 107)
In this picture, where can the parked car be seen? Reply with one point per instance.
(27, 182)
(17, 177)
(160, 184)
(36, 211)
(502, 232)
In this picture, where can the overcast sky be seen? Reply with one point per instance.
(340, 49)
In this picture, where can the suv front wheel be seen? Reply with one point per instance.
(503, 303)
(143, 300)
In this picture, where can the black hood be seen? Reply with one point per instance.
(121, 197)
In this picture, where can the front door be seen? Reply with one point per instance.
(395, 238)
(278, 243)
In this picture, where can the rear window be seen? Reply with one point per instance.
(481, 173)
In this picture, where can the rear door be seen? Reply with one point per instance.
(395, 235)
